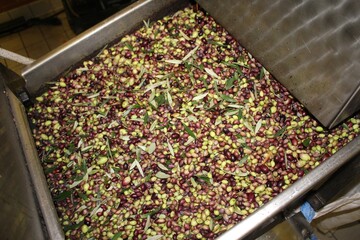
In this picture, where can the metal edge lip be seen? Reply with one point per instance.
(64, 57)
(295, 191)
(45, 203)
(339, 117)
(80, 38)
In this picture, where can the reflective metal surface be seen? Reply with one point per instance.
(19, 218)
(294, 192)
(311, 47)
(57, 61)
(40, 186)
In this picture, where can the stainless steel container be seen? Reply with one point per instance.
(89, 43)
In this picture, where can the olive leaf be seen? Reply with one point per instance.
(169, 98)
(227, 98)
(84, 178)
(230, 113)
(193, 182)
(280, 132)
(306, 142)
(148, 223)
(188, 130)
(86, 148)
(147, 23)
(72, 227)
(162, 175)
(153, 125)
(258, 126)
(211, 73)
(211, 225)
(240, 114)
(190, 53)
(162, 166)
(93, 95)
(230, 82)
(76, 123)
(192, 118)
(117, 236)
(156, 237)
(170, 148)
(173, 61)
(151, 148)
(262, 73)
(62, 196)
(146, 117)
(137, 164)
(125, 138)
(235, 106)
(154, 85)
(129, 46)
(243, 160)
(199, 97)
(184, 35)
(248, 126)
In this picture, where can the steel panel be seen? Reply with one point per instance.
(19, 218)
(311, 47)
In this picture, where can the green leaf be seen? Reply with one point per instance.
(73, 226)
(243, 160)
(230, 82)
(204, 178)
(227, 98)
(148, 177)
(306, 142)
(83, 196)
(129, 46)
(345, 126)
(212, 42)
(188, 130)
(240, 114)
(62, 196)
(146, 118)
(152, 212)
(49, 169)
(160, 99)
(262, 73)
(116, 236)
(280, 132)
(238, 70)
(187, 66)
